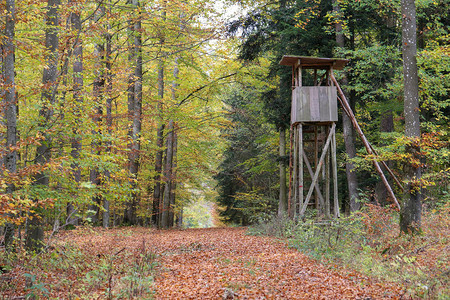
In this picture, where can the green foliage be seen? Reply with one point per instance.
(198, 214)
(249, 162)
(35, 289)
(255, 207)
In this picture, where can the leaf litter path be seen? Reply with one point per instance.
(225, 263)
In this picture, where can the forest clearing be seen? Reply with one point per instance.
(234, 149)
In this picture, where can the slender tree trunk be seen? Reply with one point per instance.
(349, 136)
(35, 233)
(172, 179)
(11, 107)
(75, 21)
(165, 217)
(173, 191)
(156, 215)
(3, 120)
(157, 193)
(108, 93)
(282, 204)
(411, 209)
(135, 111)
(98, 95)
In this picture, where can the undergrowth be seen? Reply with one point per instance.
(370, 242)
(67, 271)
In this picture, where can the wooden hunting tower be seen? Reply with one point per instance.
(313, 141)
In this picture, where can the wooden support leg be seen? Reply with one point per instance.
(327, 181)
(343, 100)
(316, 162)
(335, 183)
(316, 174)
(290, 172)
(300, 166)
(295, 173)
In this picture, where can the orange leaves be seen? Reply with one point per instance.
(225, 262)
(215, 263)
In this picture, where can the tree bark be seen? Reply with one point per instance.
(411, 209)
(173, 184)
(35, 233)
(173, 192)
(157, 193)
(135, 111)
(282, 204)
(156, 215)
(109, 120)
(349, 135)
(165, 214)
(98, 92)
(11, 107)
(75, 21)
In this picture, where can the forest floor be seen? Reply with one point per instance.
(215, 263)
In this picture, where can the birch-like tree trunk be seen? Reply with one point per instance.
(411, 209)
(11, 107)
(35, 233)
(282, 204)
(349, 136)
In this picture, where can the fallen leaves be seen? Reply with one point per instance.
(215, 263)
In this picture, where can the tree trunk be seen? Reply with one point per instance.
(174, 145)
(75, 21)
(98, 88)
(156, 215)
(108, 93)
(411, 209)
(35, 233)
(349, 136)
(165, 218)
(135, 111)
(11, 107)
(157, 193)
(173, 186)
(282, 204)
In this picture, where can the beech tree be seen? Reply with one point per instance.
(75, 21)
(35, 232)
(349, 136)
(10, 106)
(411, 210)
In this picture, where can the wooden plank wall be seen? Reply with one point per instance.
(314, 104)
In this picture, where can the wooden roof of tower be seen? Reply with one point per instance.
(308, 62)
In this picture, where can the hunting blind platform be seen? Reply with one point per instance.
(314, 115)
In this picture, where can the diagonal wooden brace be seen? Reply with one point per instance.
(319, 166)
(316, 186)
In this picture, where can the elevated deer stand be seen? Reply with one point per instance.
(313, 137)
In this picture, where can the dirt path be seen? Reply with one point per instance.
(227, 264)
(222, 263)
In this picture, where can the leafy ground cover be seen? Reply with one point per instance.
(140, 263)
(370, 242)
